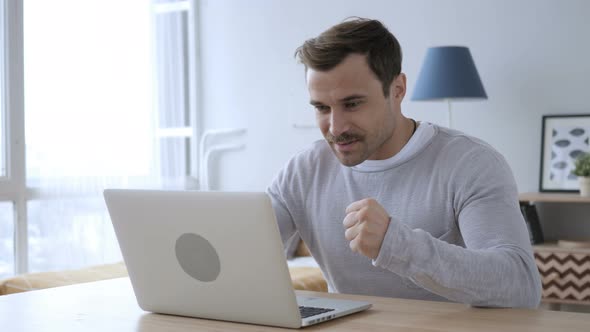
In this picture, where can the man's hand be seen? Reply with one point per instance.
(366, 222)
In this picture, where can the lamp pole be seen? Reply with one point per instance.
(450, 118)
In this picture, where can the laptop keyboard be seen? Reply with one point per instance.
(312, 311)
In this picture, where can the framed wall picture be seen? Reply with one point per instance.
(564, 137)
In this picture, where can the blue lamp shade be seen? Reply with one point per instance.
(448, 72)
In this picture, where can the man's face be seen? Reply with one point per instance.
(354, 116)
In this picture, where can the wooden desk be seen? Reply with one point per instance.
(110, 306)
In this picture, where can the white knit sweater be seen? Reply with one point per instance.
(456, 231)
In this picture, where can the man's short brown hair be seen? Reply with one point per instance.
(360, 36)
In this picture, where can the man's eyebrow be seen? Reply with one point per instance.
(353, 97)
(343, 100)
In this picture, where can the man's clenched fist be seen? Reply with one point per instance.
(366, 222)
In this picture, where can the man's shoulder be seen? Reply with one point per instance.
(461, 153)
(469, 157)
(457, 142)
(308, 164)
(317, 153)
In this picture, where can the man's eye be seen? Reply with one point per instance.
(322, 108)
(352, 104)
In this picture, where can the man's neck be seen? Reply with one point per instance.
(401, 135)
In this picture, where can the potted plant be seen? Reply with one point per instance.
(582, 170)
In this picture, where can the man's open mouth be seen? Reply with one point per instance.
(347, 142)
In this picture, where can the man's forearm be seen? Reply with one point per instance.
(501, 276)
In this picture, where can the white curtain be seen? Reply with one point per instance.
(94, 102)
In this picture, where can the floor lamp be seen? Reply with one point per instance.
(448, 72)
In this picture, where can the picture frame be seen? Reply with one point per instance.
(563, 138)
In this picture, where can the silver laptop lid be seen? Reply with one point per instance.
(204, 254)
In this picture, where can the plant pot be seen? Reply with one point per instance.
(584, 185)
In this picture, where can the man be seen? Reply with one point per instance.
(398, 208)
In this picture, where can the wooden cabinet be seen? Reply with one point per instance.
(565, 271)
(552, 198)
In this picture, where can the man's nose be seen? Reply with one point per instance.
(338, 123)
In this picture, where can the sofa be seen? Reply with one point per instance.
(304, 276)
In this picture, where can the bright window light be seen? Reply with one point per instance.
(88, 88)
(90, 123)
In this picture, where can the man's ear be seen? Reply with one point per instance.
(398, 87)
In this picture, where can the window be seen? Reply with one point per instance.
(6, 239)
(111, 95)
(108, 104)
(176, 89)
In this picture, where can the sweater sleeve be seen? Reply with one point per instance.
(496, 267)
(287, 228)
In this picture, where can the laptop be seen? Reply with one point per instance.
(214, 255)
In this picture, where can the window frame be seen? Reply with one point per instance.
(192, 131)
(13, 185)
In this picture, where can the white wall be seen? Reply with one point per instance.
(533, 57)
